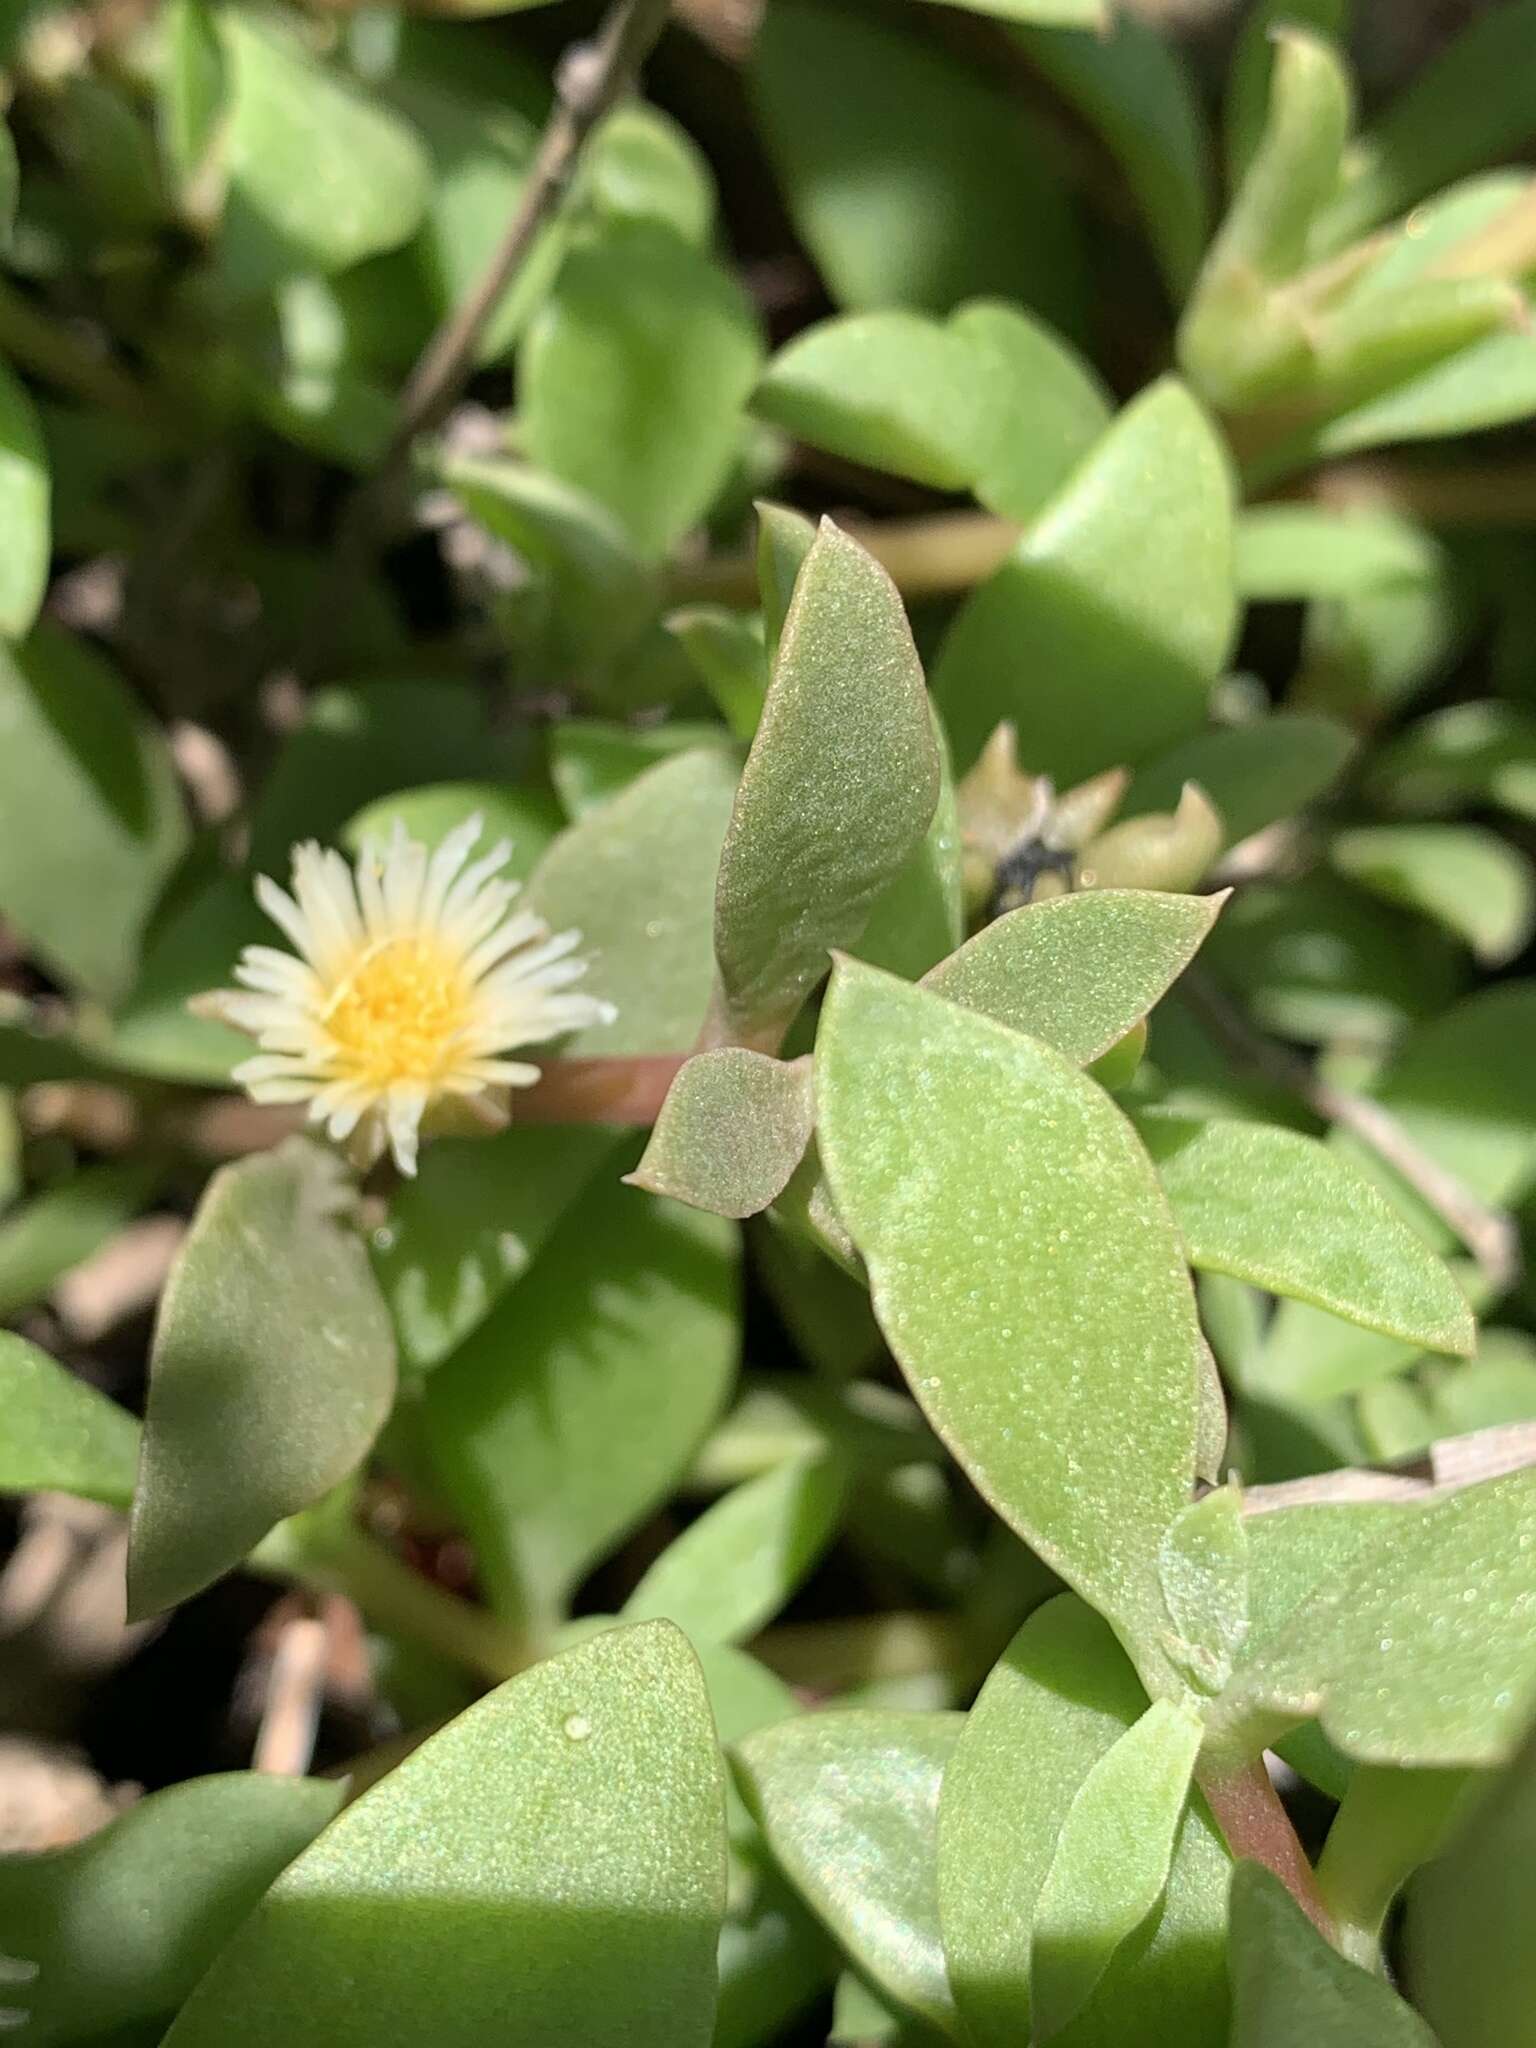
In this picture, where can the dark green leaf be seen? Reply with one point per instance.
(192, 86)
(118, 1929)
(910, 176)
(1292, 1989)
(1049, 639)
(1464, 755)
(1253, 774)
(93, 817)
(1022, 1261)
(576, 1405)
(590, 761)
(784, 539)
(732, 1130)
(634, 375)
(727, 651)
(1131, 83)
(840, 786)
(272, 1372)
(551, 1865)
(60, 1433)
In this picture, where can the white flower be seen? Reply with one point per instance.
(413, 981)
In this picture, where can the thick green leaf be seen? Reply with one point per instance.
(990, 402)
(1466, 1942)
(114, 1932)
(1464, 110)
(550, 1866)
(849, 1802)
(1248, 84)
(1282, 1212)
(1078, 971)
(910, 176)
(634, 375)
(732, 1130)
(1062, 13)
(1022, 1261)
(636, 878)
(1468, 879)
(1253, 774)
(641, 165)
(840, 786)
(1496, 1386)
(577, 1404)
(1305, 551)
(1406, 1629)
(784, 539)
(93, 818)
(1203, 1565)
(1050, 638)
(24, 509)
(192, 85)
(64, 1225)
(1054, 1707)
(1111, 1861)
(727, 651)
(1132, 85)
(1485, 384)
(471, 1223)
(10, 181)
(736, 1566)
(919, 917)
(272, 1372)
(320, 175)
(1292, 1989)
(60, 1433)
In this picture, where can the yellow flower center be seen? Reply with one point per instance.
(400, 1013)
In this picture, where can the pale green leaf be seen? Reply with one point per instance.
(93, 816)
(550, 1865)
(577, 1404)
(1465, 755)
(113, 1932)
(1468, 879)
(526, 817)
(1486, 384)
(272, 1371)
(1045, 406)
(25, 516)
(634, 375)
(1292, 1989)
(784, 539)
(919, 917)
(1203, 1565)
(1048, 640)
(640, 164)
(1022, 1261)
(908, 173)
(732, 1130)
(591, 760)
(1078, 971)
(320, 174)
(733, 1569)
(840, 786)
(1111, 1861)
(61, 1434)
(1058, 13)
(849, 1803)
(1284, 1213)
(191, 91)
(1290, 552)
(727, 651)
(1053, 1708)
(636, 878)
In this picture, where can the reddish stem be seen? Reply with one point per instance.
(598, 1091)
(1249, 1813)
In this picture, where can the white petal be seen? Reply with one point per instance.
(473, 879)
(465, 930)
(403, 1113)
(370, 890)
(405, 871)
(283, 911)
(526, 963)
(450, 856)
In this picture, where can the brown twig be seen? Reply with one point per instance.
(285, 1741)
(1490, 1235)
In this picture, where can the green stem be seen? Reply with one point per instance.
(1390, 1821)
(321, 1549)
